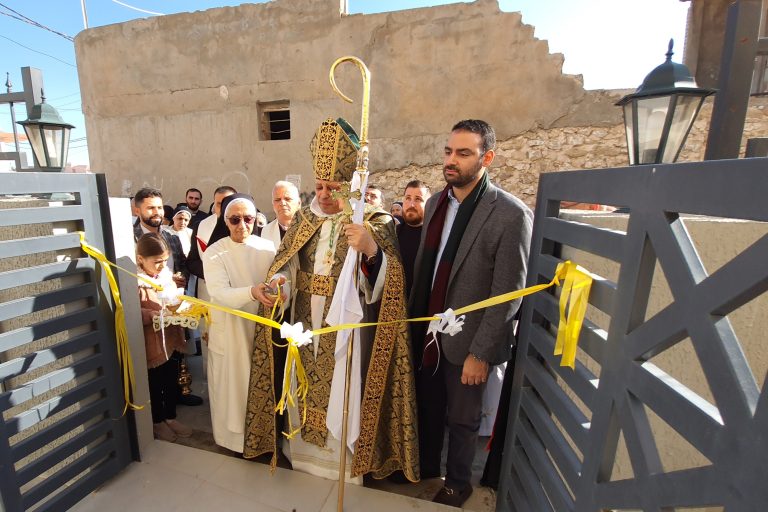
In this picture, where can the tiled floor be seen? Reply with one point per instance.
(203, 477)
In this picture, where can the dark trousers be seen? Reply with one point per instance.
(163, 390)
(443, 400)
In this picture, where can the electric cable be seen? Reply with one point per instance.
(32, 22)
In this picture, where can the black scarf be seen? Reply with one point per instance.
(429, 296)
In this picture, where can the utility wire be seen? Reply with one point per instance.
(69, 102)
(32, 22)
(37, 51)
(65, 96)
(137, 9)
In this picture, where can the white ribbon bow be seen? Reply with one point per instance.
(170, 293)
(448, 324)
(297, 333)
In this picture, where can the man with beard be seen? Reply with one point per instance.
(307, 269)
(475, 245)
(193, 198)
(149, 205)
(409, 231)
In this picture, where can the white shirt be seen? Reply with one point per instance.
(450, 216)
(205, 230)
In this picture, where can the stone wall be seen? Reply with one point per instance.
(520, 159)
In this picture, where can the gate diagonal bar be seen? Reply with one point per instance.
(62, 431)
(607, 435)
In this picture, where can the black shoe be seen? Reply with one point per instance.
(426, 475)
(453, 497)
(190, 400)
(398, 477)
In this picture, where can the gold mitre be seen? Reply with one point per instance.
(334, 151)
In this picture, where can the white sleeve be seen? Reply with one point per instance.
(218, 283)
(374, 294)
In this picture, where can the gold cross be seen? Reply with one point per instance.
(345, 193)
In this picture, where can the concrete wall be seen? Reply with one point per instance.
(171, 101)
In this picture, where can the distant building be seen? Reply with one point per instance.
(7, 145)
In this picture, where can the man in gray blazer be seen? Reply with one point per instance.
(474, 245)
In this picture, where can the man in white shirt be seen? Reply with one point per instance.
(285, 203)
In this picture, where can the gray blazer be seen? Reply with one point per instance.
(492, 259)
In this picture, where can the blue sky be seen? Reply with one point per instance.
(608, 42)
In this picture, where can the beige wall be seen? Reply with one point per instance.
(171, 101)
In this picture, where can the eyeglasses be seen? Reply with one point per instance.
(235, 219)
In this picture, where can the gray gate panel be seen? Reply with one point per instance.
(588, 238)
(551, 438)
(94, 410)
(580, 380)
(541, 464)
(86, 438)
(46, 300)
(13, 278)
(41, 215)
(63, 432)
(53, 483)
(530, 483)
(29, 362)
(25, 335)
(50, 407)
(563, 455)
(42, 385)
(27, 246)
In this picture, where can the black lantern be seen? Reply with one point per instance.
(659, 115)
(48, 135)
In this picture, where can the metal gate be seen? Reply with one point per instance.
(568, 428)
(62, 432)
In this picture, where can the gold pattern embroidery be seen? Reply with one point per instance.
(315, 284)
(388, 438)
(334, 156)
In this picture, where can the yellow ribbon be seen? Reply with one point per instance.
(574, 295)
(302, 383)
(121, 333)
(573, 305)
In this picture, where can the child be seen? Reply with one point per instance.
(160, 342)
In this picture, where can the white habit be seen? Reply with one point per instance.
(231, 269)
